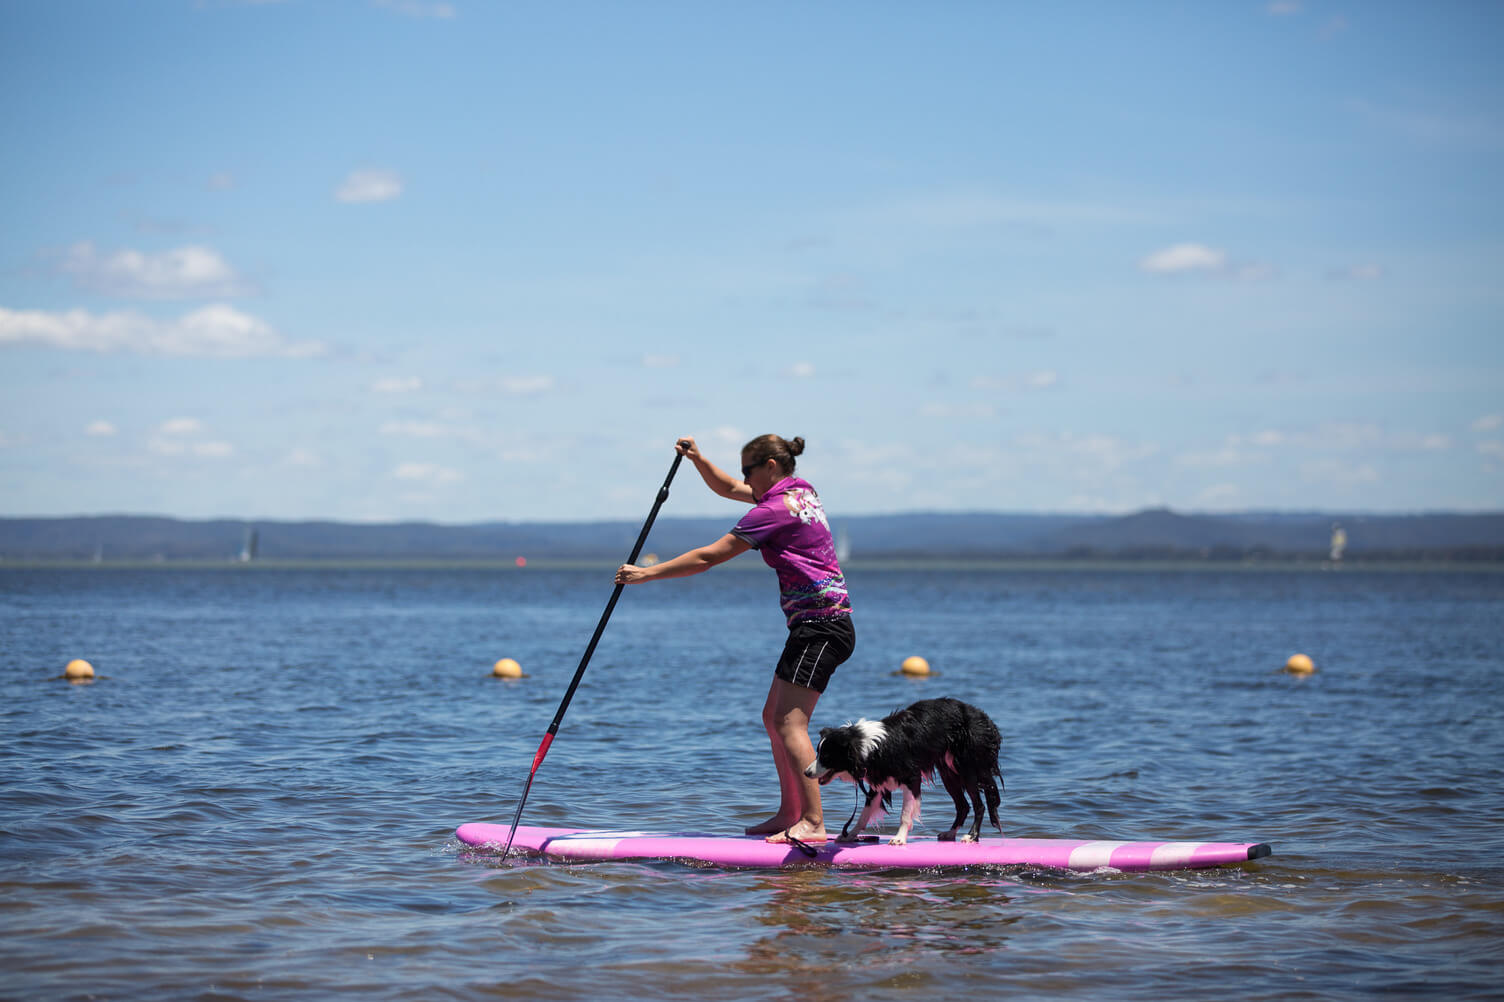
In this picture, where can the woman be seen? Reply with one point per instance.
(787, 523)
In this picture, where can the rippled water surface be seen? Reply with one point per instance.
(257, 798)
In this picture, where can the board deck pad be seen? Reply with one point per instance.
(752, 851)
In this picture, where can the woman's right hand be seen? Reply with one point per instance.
(686, 447)
(630, 574)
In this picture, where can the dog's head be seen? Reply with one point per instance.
(843, 751)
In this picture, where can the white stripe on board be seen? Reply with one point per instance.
(1173, 854)
(1093, 855)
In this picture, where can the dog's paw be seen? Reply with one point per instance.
(968, 837)
(899, 840)
(949, 836)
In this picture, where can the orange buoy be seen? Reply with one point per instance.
(1300, 664)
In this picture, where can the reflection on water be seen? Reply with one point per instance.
(257, 798)
(883, 924)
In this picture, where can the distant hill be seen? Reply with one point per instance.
(1152, 534)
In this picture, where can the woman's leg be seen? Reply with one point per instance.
(786, 716)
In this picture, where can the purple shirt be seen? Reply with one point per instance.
(788, 527)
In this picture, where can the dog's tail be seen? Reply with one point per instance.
(994, 798)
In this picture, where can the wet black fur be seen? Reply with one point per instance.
(919, 738)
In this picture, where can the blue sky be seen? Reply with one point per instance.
(468, 261)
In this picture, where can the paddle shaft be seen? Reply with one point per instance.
(579, 673)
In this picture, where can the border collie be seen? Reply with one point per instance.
(944, 736)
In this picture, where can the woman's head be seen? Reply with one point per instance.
(781, 450)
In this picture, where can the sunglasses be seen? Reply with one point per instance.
(747, 470)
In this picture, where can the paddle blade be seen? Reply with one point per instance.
(512, 832)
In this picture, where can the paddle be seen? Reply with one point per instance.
(579, 672)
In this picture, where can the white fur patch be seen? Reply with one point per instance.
(873, 733)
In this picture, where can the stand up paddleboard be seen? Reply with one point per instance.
(752, 851)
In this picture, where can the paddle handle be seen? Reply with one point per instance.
(595, 638)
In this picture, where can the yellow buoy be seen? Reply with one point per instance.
(1300, 664)
(915, 665)
(78, 670)
(507, 668)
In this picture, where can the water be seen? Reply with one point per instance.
(257, 799)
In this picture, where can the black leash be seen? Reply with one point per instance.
(809, 850)
(861, 794)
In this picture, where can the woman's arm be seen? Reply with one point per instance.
(694, 562)
(717, 479)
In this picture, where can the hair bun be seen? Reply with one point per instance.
(796, 446)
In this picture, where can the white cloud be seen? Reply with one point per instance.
(1283, 8)
(1493, 449)
(1489, 422)
(192, 272)
(1422, 441)
(1341, 435)
(174, 447)
(370, 185)
(1184, 257)
(216, 331)
(179, 436)
(802, 370)
(1334, 26)
(430, 473)
(102, 429)
(726, 438)
(305, 459)
(1446, 127)
(416, 429)
(660, 361)
(397, 384)
(1042, 379)
(1227, 455)
(1106, 450)
(527, 385)
(1267, 439)
(1337, 472)
(1111, 450)
(1218, 496)
(1332, 437)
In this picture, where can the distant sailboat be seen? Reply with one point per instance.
(843, 545)
(1339, 543)
(248, 549)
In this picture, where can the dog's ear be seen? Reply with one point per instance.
(824, 731)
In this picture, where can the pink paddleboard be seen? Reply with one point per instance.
(752, 851)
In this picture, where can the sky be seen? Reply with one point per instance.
(456, 262)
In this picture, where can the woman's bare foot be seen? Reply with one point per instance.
(776, 823)
(803, 831)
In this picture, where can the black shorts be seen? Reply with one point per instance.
(815, 649)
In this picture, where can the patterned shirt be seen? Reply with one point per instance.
(788, 527)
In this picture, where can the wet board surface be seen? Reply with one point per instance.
(753, 851)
